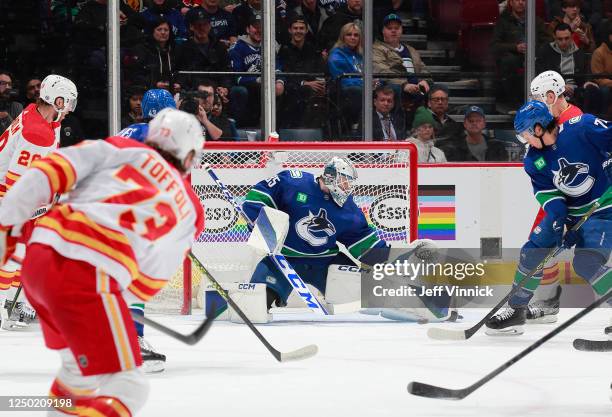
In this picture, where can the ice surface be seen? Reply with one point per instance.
(362, 369)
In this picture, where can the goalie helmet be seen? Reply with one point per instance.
(156, 100)
(56, 86)
(545, 82)
(339, 177)
(528, 116)
(177, 133)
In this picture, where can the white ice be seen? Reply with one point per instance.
(362, 369)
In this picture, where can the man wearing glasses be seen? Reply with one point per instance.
(445, 128)
(9, 107)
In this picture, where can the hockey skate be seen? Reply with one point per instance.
(21, 316)
(152, 361)
(507, 322)
(544, 311)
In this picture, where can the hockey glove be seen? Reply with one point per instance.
(570, 238)
(8, 244)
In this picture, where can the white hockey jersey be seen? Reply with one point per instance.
(28, 138)
(127, 210)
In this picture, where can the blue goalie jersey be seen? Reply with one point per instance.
(316, 223)
(569, 176)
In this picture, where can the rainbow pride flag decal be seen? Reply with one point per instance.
(437, 212)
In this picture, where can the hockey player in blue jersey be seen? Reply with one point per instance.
(569, 167)
(322, 213)
(153, 101)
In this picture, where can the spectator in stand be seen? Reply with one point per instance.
(218, 118)
(223, 24)
(245, 12)
(475, 145)
(593, 10)
(186, 5)
(132, 112)
(345, 58)
(563, 56)
(154, 62)
(303, 94)
(31, 90)
(206, 92)
(445, 127)
(314, 15)
(163, 9)
(347, 13)
(387, 120)
(202, 52)
(245, 56)
(10, 108)
(601, 63)
(423, 137)
(582, 32)
(390, 56)
(509, 47)
(331, 6)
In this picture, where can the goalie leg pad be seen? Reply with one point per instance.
(343, 284)
(251, 298)
(267, 273)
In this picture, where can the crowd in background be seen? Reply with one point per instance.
(319, 58)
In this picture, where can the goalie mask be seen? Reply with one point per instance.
(339, 177)
(56, 86)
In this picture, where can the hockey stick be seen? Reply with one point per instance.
(431, 391)
(189, 339)
(593, 345)
(451, 334)
(279, 260)
(299, 354)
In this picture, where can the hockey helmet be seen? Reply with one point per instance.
(545, 82)
(339, 176)
(528, 116)
(156, 100)
(177, 133)
(55, 86)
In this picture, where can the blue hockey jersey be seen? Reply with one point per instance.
(137, 131)
(569, 176)
(316, 223)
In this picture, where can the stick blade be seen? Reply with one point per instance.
(585, 345)
(431, 391)
(446, 334)
(299, 354)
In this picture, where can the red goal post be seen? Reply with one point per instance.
(386, 191)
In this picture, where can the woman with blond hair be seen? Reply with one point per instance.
(346, 57)
(423, 137)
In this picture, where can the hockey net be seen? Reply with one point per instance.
(386, 192)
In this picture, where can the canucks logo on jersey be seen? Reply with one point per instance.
(573, 179)
(315, 230)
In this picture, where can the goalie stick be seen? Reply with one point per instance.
(279, 260)
(452, 334)
(431, 391)
(295, 355)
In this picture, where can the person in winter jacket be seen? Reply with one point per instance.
(350, 12)
(423, 137)
(163, 9)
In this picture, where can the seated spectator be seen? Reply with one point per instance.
(10, 108)
(387, 121)
(444, 126)
(154, 60)
(423, 137)
(31, 90)
(186, 5)
(593, 11)
(314, 15)
(205, 90)
(347, 13)
(601, 63)
(509, 47)
(245, 56)
(345, 58)
(220, 119)
(582, 32)
(390, 56)
(246, 10)
(202, 52)
(163, 9)
(303, 94)
(223, 24)
(474, 145)
(132, 112)
(331, 6)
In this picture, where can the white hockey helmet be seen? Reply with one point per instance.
(339, 176)
(545, 82)
(177, 133)
(55, 86)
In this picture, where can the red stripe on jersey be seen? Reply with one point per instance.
(59, 171)
(103, 407)
(569, 113)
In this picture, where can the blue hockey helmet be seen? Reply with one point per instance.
(156, 100)
(530, 114)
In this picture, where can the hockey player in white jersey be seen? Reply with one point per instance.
(126, 219)
(31, 136)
